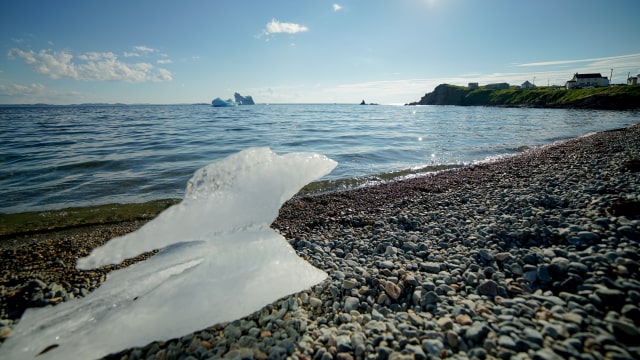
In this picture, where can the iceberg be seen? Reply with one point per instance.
(219, 261)
(217, 102)
(243, 100)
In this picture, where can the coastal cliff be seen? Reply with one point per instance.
(607, 98)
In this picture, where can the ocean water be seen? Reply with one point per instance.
(60, 156)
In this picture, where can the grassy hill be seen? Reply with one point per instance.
(612, 97)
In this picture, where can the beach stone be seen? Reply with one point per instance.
(358, 343)
(477, 332)
(392, 290)
(552, 330)
(464, 319)
(343, 343)
(349, 284)
(532, 335)
(632, 312)
(543, 273)
(478, 353)
(277, 352)
(5, 331)
(315, 302)
(516, 269)
(344, 356)
(433, 346)
(430, 297)
(628, 333)
(488, 287)
(445, 323)
(588, 236)
(507, 342)
(485, 254)
(546, 354)
(431, 267)
(611, 298)
(351, 303)
(452, 339)
(416, 351)
(573, 318)
(530, 276)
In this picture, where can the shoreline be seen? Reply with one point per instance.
(544, 244)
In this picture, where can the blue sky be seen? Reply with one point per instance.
(314, 51)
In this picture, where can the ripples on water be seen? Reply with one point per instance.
(53, 157)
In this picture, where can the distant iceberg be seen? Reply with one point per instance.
(243, 100)
(217, 102)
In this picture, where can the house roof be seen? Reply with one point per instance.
(588, 76)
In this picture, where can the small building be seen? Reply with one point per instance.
(633, 80)
(473, 85)
(527, 85)
(580, 81)
(497, 86)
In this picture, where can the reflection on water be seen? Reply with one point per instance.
(53, 157)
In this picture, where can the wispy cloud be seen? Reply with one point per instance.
(93, 66)
(277, 27)
(578, 61)
(337, 7)
(164, 61)
(19, 89)
(140, 51)
(144, 48)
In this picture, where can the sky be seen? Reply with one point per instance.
(312, 51)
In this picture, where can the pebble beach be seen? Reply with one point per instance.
(534, 256)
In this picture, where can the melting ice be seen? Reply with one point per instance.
(219, 261)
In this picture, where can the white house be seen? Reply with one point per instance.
(633, 80)
(580, 81)
(527, 85)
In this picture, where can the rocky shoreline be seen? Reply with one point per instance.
(535, 256)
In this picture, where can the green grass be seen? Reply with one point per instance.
(602, 97)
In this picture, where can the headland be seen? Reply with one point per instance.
(602, 98)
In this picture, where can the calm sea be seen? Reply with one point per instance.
(61, 156)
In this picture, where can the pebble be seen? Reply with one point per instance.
(525, 257)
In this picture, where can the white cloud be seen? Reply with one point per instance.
(93, 66)
(337, 7)
(164, 61)
(616, 59)
(131, 54)
(276, 27)
(95, 56)
(144, 48)
(19, 89)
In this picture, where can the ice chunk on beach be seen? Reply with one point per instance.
(219, 261)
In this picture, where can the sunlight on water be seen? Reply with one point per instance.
(219, 261)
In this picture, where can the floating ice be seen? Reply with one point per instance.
(219, 261)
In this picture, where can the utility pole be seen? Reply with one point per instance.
(611, 77)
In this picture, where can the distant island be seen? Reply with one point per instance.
(616, 97)
(364, 103)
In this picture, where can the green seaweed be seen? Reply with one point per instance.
(41, 221)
